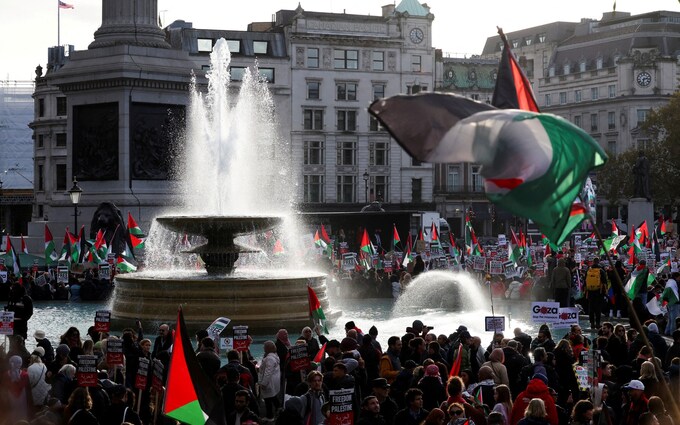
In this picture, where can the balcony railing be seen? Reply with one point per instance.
(459, 188)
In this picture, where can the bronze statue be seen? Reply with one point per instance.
(641, 174)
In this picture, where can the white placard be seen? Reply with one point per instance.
(226, 343)
(496, 267)
(501, 240)
(545, 312)
(479, 263)
(6, 323)
(567, 316)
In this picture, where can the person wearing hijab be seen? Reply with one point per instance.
(434, 391)
(19, 391)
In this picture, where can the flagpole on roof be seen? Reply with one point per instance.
(636, 320)
(58, 24)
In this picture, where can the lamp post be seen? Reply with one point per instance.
(366, 185)
(2, 217)
(75, 193)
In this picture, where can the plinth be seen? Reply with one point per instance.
(639, 210)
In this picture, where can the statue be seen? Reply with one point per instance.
(109, 219)
(641, 174)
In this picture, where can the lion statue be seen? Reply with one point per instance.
(108, 218)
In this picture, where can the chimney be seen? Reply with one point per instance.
(388, 10)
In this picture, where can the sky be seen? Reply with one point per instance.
(29, 27)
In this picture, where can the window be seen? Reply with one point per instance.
(474, 96)
(541, 38)
(611, 120)
(611, 147)
(346, 59)
(236, 73)
(346, 91)
(551, 71)
(416, 190)
(594, 93)
(566, 69)
(515, 44)
(477, 183)
(381, 186)
(313, 119)
(528, 41)
(453, 178)
(313, 190)
(598, 63)
(563, 98)
(260, 47)
(61, 106)
(577, 95)
(205, 44)
(41, 107)
(267, 74)
(234, 46)
(416, 88)
(61, 140)
(379, 153)
(345, 189)
(612, 90)
(378, 91)
(41, 140)
(312, 57)
(374, 124)
(547, 100)
(577, 120)
(347, 153)
(346, 120)
(642, 144)
(593, 122)
(313, 152)
(582, 66)
(641, 116)
(378, 61)
(415, 162)
(416, 63)
(313, 89)
(41, 177)
(61, 177)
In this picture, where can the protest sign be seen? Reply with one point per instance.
(6, 323)
(62, 274)
(479, 263)
(217, 326)
(349, 261)
(104, 272)
(114, 351)
(341, 409)
(157, 378)
(566, 317)
(544, 312)
(494, 324)
(86, 373)
(241, 340)
(299, 358)
(226, 343)
(3, 276)
(102, 321)
(141, 379)
(40, 281)
(496, 267)
(501, 240)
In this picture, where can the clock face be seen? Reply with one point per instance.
(644, 79)
(417, 35)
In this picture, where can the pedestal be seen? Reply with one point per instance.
(639, 210)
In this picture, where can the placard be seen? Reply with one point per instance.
(3, 276)
(6, 323)
(102, 321)
(141, 380)
(299, 358)
(104, 272)
(114, 351)
(582, 377)
(241, 341)
(479, 263)
(567, 316)
(40, 281)
(545, 312)
(86, 373)
(494, 324)
(496, 267)
(341, 409)
(217, 326)
(226, 344)
(157, 378)
(501, 240)
(62, 274)
(349, 261)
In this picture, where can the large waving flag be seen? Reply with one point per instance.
(534, 165)
(639, 280)
(395, 237)
(514, 249)
(190, 396)
(122, 265)
(324, 235)
(137, 237)
(65, 254)
(24, 248)
(16, 266)
(318, 241)
(457, 362)
(315, 311)
(435, 235)
(513, 89)
(50, 249)
(615, 229)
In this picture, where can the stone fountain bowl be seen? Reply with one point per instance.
(209, 226)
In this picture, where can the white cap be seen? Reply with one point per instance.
(635, 385)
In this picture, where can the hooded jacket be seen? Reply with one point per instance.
(536, 389)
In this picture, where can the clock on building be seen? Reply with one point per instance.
(417, 35)
(644, 78)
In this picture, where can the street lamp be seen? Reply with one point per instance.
(75, 193)
(366, 185)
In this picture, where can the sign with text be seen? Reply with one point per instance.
(3, 276)
(582, 377)
(494, 324)
(102, 321)
(217, 326)
(299, 358)
(495, 267)
(62, 274)
(341, 412)
(349, 261)
(567, 316)
(141, 379)
(226, 344)
(86, 373)
(6, 323)
(114, 351)
(545, 312)
(479, 263)
(241, 341)
(157, 378)
(501, 240)
(104, 272)
(40, 281)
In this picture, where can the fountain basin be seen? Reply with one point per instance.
(264, 300)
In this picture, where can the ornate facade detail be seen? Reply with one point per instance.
(300, 56)
(327, 57)
(366, 60)
(391, 61)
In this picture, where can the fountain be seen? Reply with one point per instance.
(234, 165)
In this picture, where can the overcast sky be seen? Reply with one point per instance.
(29, 27)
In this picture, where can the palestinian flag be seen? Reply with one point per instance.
(190, 396)
(137, 237)
(615, 229)
(16, 266)
(74, 243)
(318, 241)
(472, 246)
(639, 281)
(513, 249)
(315, 311)
(522, 243)
(457, 362)
(662, 227)
(479, 400)
(324, 235)
(670, 293)
(663, 266)
(366, 245)
(50, 249)
(642, 235)
(24, 248)
(612, 243)
(395, 237)
(319, 356)
(407, 254)
(534, 164)
(421, 236)
(100, 246)
(66, 247)
(653, 306)
(278, 247)
(513, 89)
(122, 265)
(435, 235)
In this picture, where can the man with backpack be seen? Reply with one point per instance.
(596, 287)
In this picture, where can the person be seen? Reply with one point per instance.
(370, 412)
(619, 305)
(649, 379)
(658, 409)
(17, 390)
(419, 266)
(312, 400)
(535, 414)
(501, 395)
(390, 364)
(270, 379)
(208, 359)
(435, 417)
(454, 389)
(641, 177)
(671, 296)
(78, 410)
(596, 287)
(456, 412)
(414, 413)
(544, 340)
(638, 402)
(500, 373)
(537, 389)
(72, 339)
(524, 339)
(658, 342)
(582, 413)
(22, 306)
(37, 372)
(42, 341)
(432, 387)
(163, 341)
(241, 413)
(560, 282)
(648, 418)
(312, 344)
(388, 407)
(64, 383)
(119, 412)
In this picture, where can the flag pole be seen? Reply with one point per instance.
(636, 320)
(58, 24)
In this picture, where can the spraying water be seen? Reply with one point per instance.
(441, 290)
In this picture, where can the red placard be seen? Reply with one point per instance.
(157, 377)
(86, 373)
(141, 379)
(299, 358)
(241, 340)
(102, 321)
(114, 351)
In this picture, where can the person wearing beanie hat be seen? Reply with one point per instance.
(348, 344)
(434, 391)
(42, 341)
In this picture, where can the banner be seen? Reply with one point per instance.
(567, 316)
(6, 323)
(241, 341)
(86, 373)
(102, 321)
(341, 412)
(299, 358)
(349, 261)
(3, 276)
(141, 379)
(545, 312)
